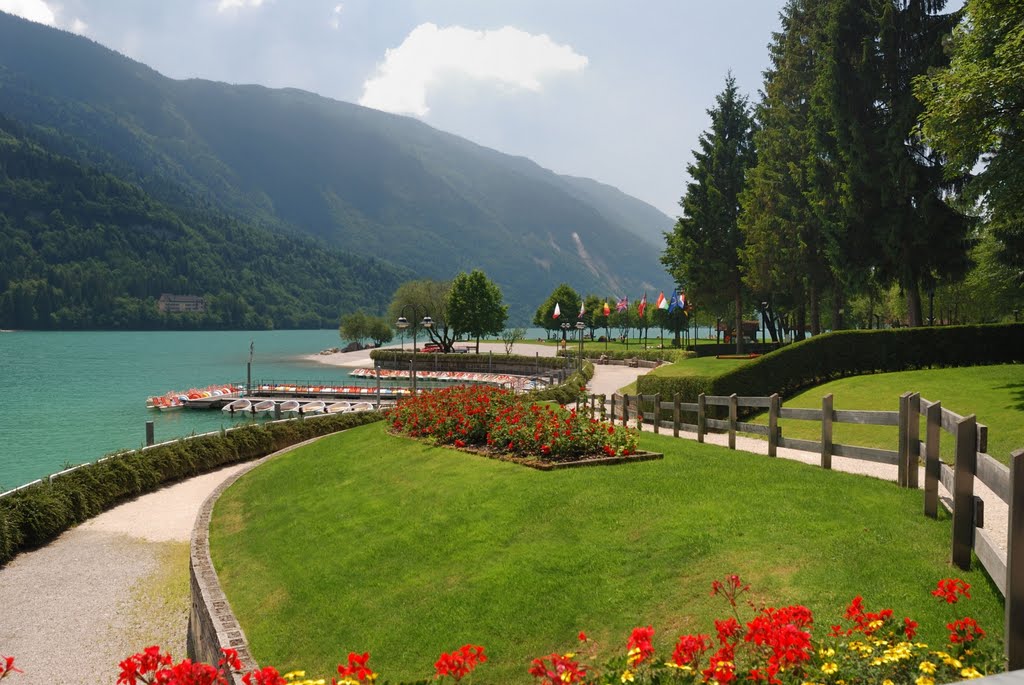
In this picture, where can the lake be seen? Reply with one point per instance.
(71, 397)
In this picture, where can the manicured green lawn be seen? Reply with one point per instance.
(699, 366)
(994, 393)
(367, 542)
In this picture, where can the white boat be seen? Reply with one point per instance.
(237, 405)
(337, 408)
(362, 406)
(291, 406)
(264, 406)
(314, 407)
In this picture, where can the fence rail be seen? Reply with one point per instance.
(971, 464)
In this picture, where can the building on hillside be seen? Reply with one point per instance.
(181, 303)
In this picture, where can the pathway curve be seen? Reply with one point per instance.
(73, 609)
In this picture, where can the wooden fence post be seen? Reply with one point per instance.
(773, 424)
(963, 491)
(657, 413)
(150, 439)
(1014, 635)
(932, 465)
(613, 409)
(625, 409)
(901, 447)
(733, 411)
(702, 415)
(826, 432)
(913, 438)
(676, 414)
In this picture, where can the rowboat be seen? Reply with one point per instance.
(237, 405)
(337, 408)
(314, 407)
(290, 406)
(264, 406)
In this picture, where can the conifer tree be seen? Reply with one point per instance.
(702, 252)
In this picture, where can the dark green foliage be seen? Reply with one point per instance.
(39, 513)
(475, 306)
(356, 178)
(399, 359)
(849, 353)
(82, 249)
(569, 391)
(568, 301)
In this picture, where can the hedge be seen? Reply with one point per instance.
(850, 353)
(651, 355)
(423, 359)
(567, 392)
(37, 514)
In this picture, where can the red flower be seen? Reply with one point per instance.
(460, 443)
(582, 636)
(964, 630)
(909, 628)
(230, 658)
(7, 666)
(639, 645)
(950, 589)
(727, 630)
(722, 668)
(689, 648)
(357, 667)
(562, 670)
(147, 661)
(267, 675)
(461, 662)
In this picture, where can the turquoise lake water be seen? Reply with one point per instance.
(72, 397)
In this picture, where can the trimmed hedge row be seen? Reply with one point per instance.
(36, 515)
(850, 353)
(665, 354)
(568, 391)
(386, 356)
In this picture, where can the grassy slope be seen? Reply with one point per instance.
(363, 541)
(994, 393)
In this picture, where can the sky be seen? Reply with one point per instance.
(612, 90)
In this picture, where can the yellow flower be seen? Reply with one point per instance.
(826, 652)
(926, 667)
(888, 682)
(950, 661)
(925, 680)
(829, 667)
(627, 676)
(568, 655)
(970, 672)
(292, 675)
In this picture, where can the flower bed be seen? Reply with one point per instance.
(497, 423)
(774, 646)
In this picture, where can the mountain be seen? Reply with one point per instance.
(358, 179)
(83, 249)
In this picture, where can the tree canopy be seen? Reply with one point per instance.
(476, 306)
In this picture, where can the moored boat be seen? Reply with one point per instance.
(263, 407)
(238, 405)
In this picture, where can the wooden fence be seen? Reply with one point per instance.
(971, 463)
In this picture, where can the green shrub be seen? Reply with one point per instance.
(568, 391)
(666, 355)
(849, 353)
(39, 513)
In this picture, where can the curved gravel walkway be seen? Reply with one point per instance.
(73, 609)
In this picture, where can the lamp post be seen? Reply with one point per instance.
(404, 323)
(566, 326)
(579, 327)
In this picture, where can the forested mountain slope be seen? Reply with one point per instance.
(361, 180)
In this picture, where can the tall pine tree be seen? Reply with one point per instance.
(703, 249)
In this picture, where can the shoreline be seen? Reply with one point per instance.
(361, 358)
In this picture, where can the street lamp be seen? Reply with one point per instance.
(404, 323)
(579, 327)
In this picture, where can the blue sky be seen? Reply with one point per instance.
(615, 91)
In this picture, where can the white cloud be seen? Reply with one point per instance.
(225, 5)
(507, 56)
(33, 10)
(335, 21)
(41, 13)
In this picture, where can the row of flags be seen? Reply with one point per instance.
(676, 301)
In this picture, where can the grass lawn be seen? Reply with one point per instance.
(699, 366)
(994, 393)
(367, 542)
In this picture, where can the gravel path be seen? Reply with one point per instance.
(73, 609)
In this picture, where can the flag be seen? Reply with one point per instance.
(607, 309)
(622, 305)
(682, 301)
(642, 306)
(662, 302)
(558, 312)
(582, 311)
(673, 303)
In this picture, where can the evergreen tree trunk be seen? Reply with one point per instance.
(800, 331)
(739, 316)
(815, 298)
(913, 294)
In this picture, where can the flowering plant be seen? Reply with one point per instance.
(774, 646)
(495, 419)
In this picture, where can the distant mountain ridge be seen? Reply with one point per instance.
(361, 180)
